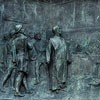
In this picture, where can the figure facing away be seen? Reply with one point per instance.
(56, 56)
(21, 55)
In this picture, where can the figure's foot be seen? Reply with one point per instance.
(63, 85)
(55, 91)
(13, 88)
(18, 94)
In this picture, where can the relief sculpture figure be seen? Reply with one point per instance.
(21, 53)
(57, 57)
(10, 60)
(40, 55)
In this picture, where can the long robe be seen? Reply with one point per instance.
(56, 56)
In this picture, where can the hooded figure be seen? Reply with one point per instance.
(56, 56)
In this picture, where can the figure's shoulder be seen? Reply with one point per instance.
(23, 36)
(31, 41)
(63, 39)
(52, 39)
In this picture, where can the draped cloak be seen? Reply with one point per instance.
(56, 56)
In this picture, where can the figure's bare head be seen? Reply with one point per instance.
(56, 30)
(37, 36)
(18, 27)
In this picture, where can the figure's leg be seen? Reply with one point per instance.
(9, 72)
(37, 72)
(13, 79)
(62, 76)
(18, 84)
(19, 78)
(25, 84)
(54, 80)
(7, 76)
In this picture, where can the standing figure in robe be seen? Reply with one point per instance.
(57, 57)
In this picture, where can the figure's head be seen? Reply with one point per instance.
(56, 30)
(37, 36)
(18, 28)
(31, 35)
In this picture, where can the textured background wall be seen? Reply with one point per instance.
(80, 21)
(43, 16)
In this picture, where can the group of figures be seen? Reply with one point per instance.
(20, 51)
